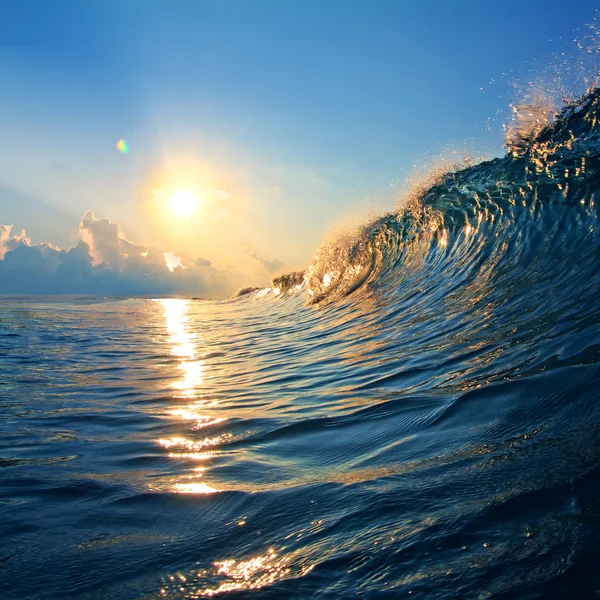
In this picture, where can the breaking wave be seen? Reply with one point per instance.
(536, 204)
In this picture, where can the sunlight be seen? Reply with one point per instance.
(183, 345)
(172, 260)
(194, 488)
(183, 203)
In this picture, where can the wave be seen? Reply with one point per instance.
(427, 427)
(551, 166)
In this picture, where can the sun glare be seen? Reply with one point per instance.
(183, 203)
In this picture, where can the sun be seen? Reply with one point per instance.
(183, 203)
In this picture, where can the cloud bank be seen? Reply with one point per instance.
(105, 263)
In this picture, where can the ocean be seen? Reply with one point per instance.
(416, 415)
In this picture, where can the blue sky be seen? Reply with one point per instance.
(293, 114)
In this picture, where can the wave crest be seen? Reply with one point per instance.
(552, 159)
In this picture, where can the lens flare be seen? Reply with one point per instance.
(122, 147)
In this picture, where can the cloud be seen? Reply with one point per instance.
(186, 259)
(202, 262)
(104, 239)
(271, 266)
(8, 241)
(104, 262)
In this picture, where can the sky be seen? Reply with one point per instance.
(280, 118)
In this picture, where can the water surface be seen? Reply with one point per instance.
(418, 417)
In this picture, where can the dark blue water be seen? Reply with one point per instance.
(415, 416)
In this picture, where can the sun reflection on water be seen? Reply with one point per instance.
(195, 488)
(183, 343)
(194, 445)
(183, 346)
(190, 413)
(252, 573)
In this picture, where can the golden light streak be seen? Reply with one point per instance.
(183, 346)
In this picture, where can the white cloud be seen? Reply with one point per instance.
(8, 241)
(105, 262)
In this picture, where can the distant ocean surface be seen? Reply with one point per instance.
(414, 416)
